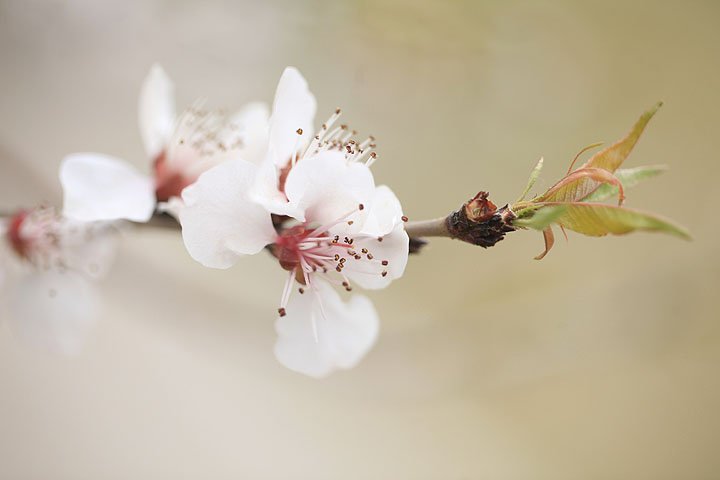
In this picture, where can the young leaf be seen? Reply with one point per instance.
(570, 187)
(542, 218)
(612, 157)
(597, 220)
(629, 177)
(532, 179)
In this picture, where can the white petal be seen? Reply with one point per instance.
(172, 207)
(252, 122)
(326, 187)
(345, 331)
(219, 221)
(293, 109)
(101, 187)
(264, 191)
(53, 310)
(393, 248)
(156, 111)
(384, 213)
(88, 248)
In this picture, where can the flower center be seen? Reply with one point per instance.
(196, 145)
(305, 252)
(33, 236)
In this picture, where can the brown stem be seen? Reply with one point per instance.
(478, 221)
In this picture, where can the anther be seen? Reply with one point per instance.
(301, 290)
(350, 222)
(384, 273)
(385, 263)
(282, 312)
(361, 207)
(299, 131)
(404, 218)
(380, 239)
(364, 250)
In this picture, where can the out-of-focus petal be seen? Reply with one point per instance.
(326, 187)
(219, 221)
(345, 331)
(294, 108)
(53, 310)
(384, 213)
(156, 111)
(101, 187)
(88, 248)
(252, 123)
(393, 249)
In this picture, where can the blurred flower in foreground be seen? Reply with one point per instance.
(101, 187)
(315, 206)
(47, 263)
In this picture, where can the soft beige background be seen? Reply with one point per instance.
(599, 362)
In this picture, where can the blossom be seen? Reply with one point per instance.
(48, 263)
(101, 187)
(315, 206)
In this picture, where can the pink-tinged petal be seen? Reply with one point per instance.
(327, 187)
(392, 250)
(219, 221)
(293, 109)
(101, 187)
(265, 191)
(384, 214)
(53, 310)
(252, 123)
(156, 111)
(320, 333)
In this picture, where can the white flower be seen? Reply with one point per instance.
(101, 187)
(47, 263)
(318, 211)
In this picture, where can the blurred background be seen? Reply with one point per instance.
(599, 362)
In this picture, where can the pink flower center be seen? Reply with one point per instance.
(304, 252)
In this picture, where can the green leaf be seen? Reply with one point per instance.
(532, 179)
(572, 186)
(597, 220)
(610, 158)
(542, 218)
(629, 177)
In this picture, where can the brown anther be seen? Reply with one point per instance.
(352, 253)
(404, 218)
(342, 260)
(373, 154)
(345, 284)
(364, 250)
(350, 222)
(337, 257)
(282, 312)
(370, 256)
(361, 207)
(384, 263)
(337, 111)
(384, 273)
(348, 289)
(301, 290)
(338, 268)
(380, 239)
(357, 257)
(299, 131)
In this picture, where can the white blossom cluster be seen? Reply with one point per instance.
(259, 180)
